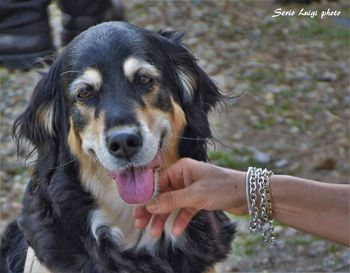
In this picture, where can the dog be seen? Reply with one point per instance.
(117, 105)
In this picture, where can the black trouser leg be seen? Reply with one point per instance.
(79, 15)
(24, 32)
(23, 16)
(77, 8)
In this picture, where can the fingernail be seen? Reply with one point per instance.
(137, 224)
(153, 205)
(176, 231)
(155, 233)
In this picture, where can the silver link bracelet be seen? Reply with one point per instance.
(258, 192)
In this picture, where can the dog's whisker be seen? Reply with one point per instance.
(163, 155)
(70, 71)
(212, 140)
(92, 162)
(189, 138)
(66, 163)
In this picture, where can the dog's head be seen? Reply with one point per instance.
(121, 99)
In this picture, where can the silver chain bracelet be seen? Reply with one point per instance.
(252, 200)
(258, 192)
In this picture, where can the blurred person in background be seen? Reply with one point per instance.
(25, 34)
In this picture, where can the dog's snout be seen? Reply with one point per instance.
(124, 145)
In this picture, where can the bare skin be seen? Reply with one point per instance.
(317, 208)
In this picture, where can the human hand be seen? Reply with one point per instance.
(190, 186)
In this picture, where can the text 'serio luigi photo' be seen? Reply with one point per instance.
(174, 136)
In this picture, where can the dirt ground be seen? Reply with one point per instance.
(289, 81)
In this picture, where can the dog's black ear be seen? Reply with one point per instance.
(45, 115)
(193, 83)
(200, 95)
(197, 93)
(173, 35)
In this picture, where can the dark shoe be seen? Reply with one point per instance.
(73, 25)
(23, 51)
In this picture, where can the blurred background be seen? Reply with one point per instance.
(291, 113)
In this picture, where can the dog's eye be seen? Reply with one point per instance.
(143, 80)
(85, 93)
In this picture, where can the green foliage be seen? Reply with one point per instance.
(316, 29)
(300, 240)
(245, 244)
(239, 159)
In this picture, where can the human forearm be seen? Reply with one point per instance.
(318, 208)
(314, 207)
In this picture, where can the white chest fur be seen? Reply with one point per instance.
(114, 213)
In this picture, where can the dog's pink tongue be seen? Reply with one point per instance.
(135, 186)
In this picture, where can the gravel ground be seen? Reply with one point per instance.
(290, 77)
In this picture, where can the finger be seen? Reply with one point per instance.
(168, 180)
(182, 219)
(157, 225)
(163, 180)
(139, 212)
(168, 201)
(141, 223)
(142, 217)
(172, 177)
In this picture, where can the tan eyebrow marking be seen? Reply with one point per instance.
(133, 65)
(91, 77)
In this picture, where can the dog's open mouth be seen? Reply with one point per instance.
(136, 185)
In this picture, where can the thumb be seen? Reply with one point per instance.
(168, 201)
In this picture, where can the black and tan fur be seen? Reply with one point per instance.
(113, 78)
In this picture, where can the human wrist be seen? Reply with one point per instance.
(258, 193)
(238, 202)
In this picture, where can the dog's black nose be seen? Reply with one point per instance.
(124, 145)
